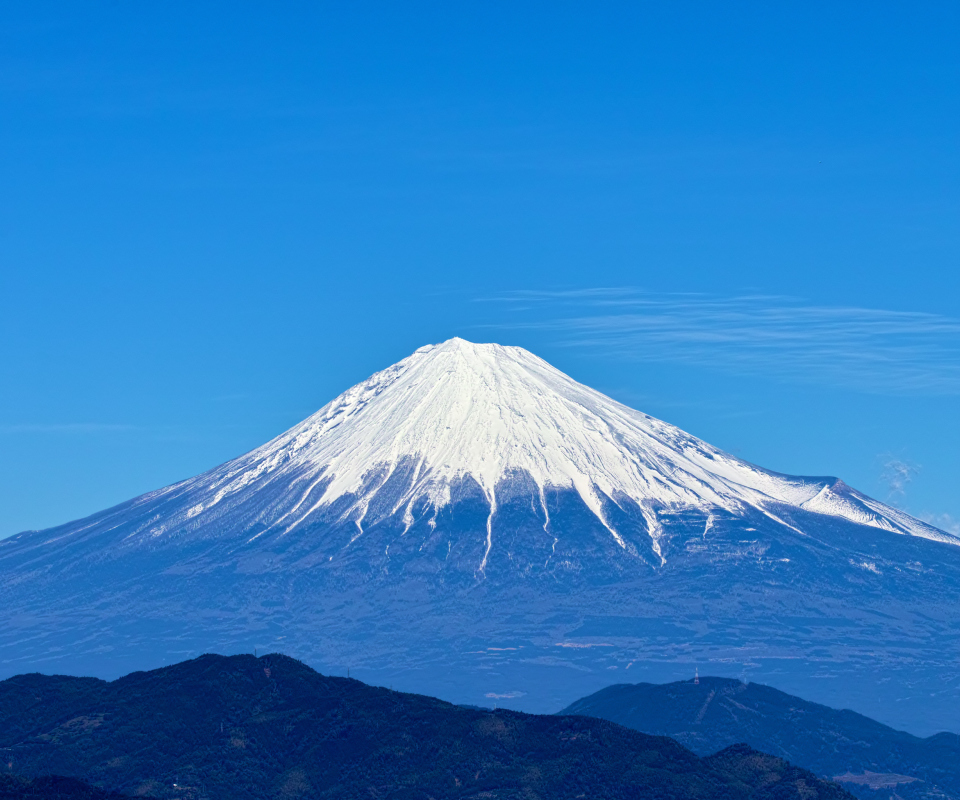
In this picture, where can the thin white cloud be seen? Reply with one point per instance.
(897, 474)
(873, 350)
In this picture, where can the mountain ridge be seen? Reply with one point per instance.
(247, 728)
(839, 744)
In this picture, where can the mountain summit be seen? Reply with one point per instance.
(502, 516)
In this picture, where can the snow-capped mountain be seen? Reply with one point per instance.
(470, 494)
(401, 441)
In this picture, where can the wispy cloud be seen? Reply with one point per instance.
(897, 474)
(870, 349)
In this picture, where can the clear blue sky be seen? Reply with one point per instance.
(741, 218)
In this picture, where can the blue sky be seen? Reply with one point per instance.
(741, 218)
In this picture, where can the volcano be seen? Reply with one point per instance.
(473, 523)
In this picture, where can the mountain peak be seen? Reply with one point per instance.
(458, 343)
(490, 351)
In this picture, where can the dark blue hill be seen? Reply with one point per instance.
(52, 787)
(241, 727)
(706, 717)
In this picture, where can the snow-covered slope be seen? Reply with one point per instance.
(490, 412)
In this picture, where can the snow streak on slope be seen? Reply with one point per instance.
(488, 412)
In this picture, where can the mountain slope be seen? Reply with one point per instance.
(527, 535)
(719, 712)
(243, 727)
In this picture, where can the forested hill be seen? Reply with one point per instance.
(52, 787)
(873, 759)
(241, 727)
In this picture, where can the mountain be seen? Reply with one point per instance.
(872, 760)
(475, 524)
(248, 728)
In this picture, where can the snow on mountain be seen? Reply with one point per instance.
(486, 411)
